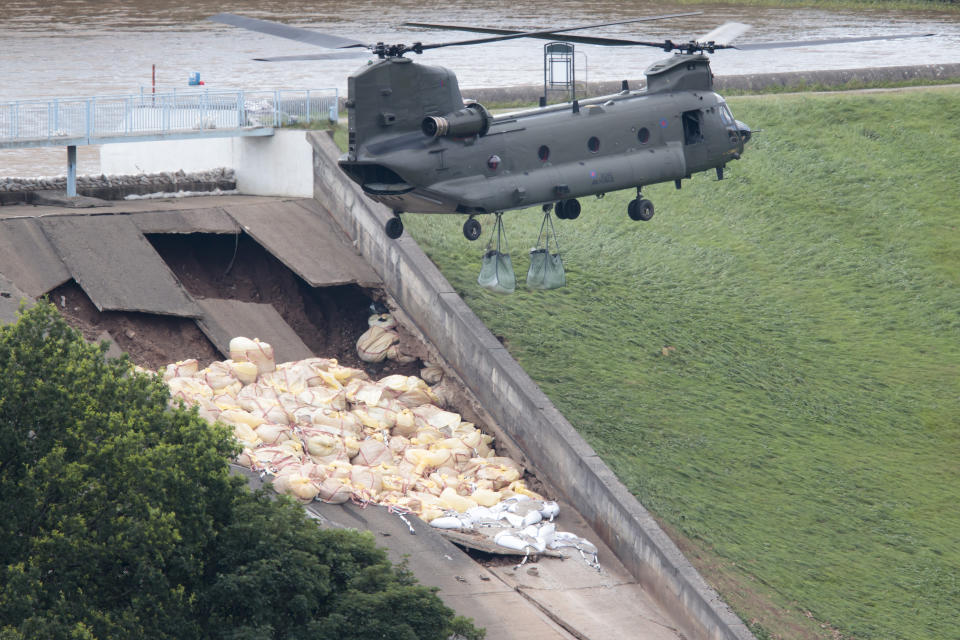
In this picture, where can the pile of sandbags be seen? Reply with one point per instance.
(518, 523)
(329, 432)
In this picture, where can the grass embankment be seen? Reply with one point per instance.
(772, 365)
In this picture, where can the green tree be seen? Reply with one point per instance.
(121, 519)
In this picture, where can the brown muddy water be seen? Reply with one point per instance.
(69, 48)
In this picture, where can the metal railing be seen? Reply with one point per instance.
(92, 120)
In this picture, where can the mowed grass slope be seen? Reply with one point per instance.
(772, 365)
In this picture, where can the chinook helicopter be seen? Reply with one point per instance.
(416, 146)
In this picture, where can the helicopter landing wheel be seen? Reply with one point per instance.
(568, 209)
(471, 229)
(394, 227)
(560, 210)
(640, 209)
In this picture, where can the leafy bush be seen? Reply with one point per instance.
(121, 519)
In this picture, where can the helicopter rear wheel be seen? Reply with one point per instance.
(471, 229)
(568, 209)
(394, 227)
(640, 209)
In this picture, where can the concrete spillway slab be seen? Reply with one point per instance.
(116, 266)
(303, 238)
(467, 587)
(223, 320)
(211, 220)
(10, 297)
(28, 259)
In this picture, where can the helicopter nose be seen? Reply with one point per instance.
(744, 131)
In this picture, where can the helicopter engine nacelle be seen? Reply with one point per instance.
(472, 120)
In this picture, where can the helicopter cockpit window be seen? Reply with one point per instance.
(692, 132)
(726, 116)
(543, 153)
(593, 144)
(643, 135)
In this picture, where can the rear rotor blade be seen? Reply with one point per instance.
(812, 43)
(286, 31)
(546, 34)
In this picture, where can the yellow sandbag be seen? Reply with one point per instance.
(339, 469)
(405, 424)
(344, 421)
(426, 459)
(285, 380)
(362, 392)
(450, 499)
(485, 497)
(188, 388)
(321, 396)
(247, 350)
(323, 444)
(427, 435)
(302, 488)
(376, 418)
(271, 433)
(245, 372)
(218, 375)
(345, 374)
(437, 417)
(235, 416)
(246, 435)
(519, 487)
(351, 446)
(181, 369)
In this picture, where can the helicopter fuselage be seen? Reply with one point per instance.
(448, 158)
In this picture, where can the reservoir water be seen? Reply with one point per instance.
(66, 48)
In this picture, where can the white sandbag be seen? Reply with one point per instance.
(371, 453)
(247, 350)
(373, 345)
(333, 491)
(451, 522)
(550, 510)
(431, 373)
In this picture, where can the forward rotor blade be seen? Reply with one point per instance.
(326, 55)
(812, 43)
(286, 31)
(725, 33)
(547, 34)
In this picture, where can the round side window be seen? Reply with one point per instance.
(543, 153)
(643, 135)
(593, 144)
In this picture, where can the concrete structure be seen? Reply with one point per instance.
(523, 415)
(278, 165)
